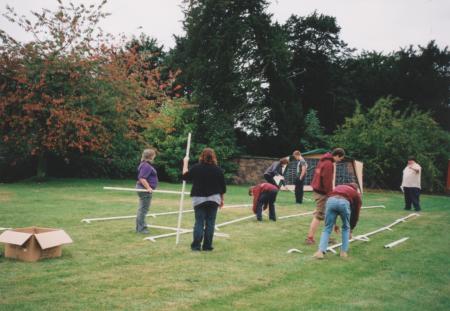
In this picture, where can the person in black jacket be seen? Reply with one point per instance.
(208, 188)
(277, 168)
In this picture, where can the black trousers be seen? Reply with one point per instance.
(205, 220)
(266, 198)
(299, 190)
(412, 196)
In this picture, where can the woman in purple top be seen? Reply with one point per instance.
(147, 179)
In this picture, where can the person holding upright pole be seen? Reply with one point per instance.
(207, 193)
(147, 179)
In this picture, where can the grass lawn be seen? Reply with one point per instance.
(109, 267)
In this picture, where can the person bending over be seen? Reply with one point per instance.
(344, 201)
(264, 195)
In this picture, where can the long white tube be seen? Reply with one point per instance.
(390, 245)
(89, 220)
(296, 215)
(361, 237)
(180, 212)
(142, 190)
(234, 221)
(181, 231)
(374, 206)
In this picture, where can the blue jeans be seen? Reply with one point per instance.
(205, 221)
(336, 206)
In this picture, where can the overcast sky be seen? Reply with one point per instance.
(382, 25)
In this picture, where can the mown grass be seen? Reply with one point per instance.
(109, 267)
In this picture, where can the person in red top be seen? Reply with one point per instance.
(345, 201)
(322, 184)
(264, 195)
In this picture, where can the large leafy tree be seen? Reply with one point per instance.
(383, 138)
(69, 92)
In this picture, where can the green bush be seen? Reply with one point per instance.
(383, 139)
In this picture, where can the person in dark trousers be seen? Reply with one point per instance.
(301, 166)
(147, 178)
(276, 169)
(344, 201)
(264, 195)
(322, 185)
(411, 184)
(208, 188)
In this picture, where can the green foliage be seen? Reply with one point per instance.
(383, 138)
(172, 145)
(313, 135)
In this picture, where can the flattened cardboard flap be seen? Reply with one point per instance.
(53, 238)
(14, 237)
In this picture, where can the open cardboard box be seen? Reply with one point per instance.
(34, 243)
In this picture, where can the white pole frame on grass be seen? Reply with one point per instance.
(365, 237)
(142, 190)
(310, 213)
(183, 187)
(153, 238)
(390, 245)
(154, 215)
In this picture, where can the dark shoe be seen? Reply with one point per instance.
(273, 219)
(407, 209)
(208, 249)
(418, 210)
(194, 249)
(260, 220)
(143, 232)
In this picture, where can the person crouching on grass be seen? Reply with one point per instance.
(264, 195)
(208, 188)
(148, 180)
(344, 201)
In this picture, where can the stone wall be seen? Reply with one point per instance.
(251, 169)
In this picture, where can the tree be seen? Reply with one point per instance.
(313, 136)
(67, 92)
(383, 138)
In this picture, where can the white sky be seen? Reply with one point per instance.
(382, 25)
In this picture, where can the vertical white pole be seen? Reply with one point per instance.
(180, 211)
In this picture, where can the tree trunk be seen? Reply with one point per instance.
(41, 166)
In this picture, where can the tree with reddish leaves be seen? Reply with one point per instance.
(70, 90)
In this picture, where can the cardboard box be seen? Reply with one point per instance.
(34, 243)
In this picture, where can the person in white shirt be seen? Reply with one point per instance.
(411, 184)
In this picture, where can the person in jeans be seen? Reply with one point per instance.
(322, 184)
(411, 184)
(300, 176)
(344, 201)
(208, 188)
(147, 178)
(264, 195)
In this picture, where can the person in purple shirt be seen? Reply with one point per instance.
(147, 179)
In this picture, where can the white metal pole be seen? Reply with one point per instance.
(234, 221)
(183, 187)
(89, 220)
(142, 190)
(296, 215)
(365, 236)
(390, 245)
(374, 206)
